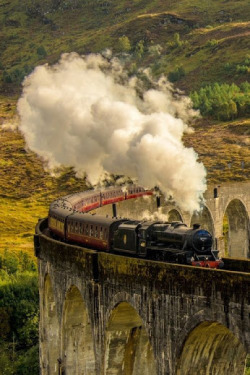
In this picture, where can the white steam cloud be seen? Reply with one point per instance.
(85, 112)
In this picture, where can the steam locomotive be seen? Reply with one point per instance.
(164, 241)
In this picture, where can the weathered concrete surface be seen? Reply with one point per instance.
(103, 314)
(230, 200)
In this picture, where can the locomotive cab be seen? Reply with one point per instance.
(126, 237)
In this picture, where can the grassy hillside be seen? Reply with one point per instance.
(208, 41)
(214, 36)
(194, 43)
(26, 189)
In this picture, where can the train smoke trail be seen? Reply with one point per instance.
(85, 112)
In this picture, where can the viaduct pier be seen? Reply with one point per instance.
(104, 314)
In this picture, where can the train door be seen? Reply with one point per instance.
(142, 248)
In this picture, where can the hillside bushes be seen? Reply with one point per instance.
(222, 101)
(19, 304)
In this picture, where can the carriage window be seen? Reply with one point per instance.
(105, 234)
(96, 232)
(87, 229)
(101, 234)
(91, 230)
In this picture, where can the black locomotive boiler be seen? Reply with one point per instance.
(171, 242)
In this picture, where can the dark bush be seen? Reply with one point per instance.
(176, 74)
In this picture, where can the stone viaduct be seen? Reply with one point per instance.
(103, 314)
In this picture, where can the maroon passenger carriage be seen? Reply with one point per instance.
(61, 209)
(93, 231)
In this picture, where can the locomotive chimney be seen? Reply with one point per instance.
(196, 226)
(158, 201)
(114, 209)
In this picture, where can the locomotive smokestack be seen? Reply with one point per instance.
(114, 209)
(196, 226)
(158, 201)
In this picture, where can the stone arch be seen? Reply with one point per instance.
(174, 215)
(211, 348)
(77, 340)
(128, 350)
(237, 236)
(50, 340)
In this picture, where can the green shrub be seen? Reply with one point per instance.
(176, 74)
(247, 370)
(41, 52)
(19, 304)
(228, 67)
(242, 69)
(13, 75)
(223, 102)
(139, 49)
(28, 364)
(247, 60)
(9, 262)
(177, 42)
(124, 44)
(155, 50)
(211, 43)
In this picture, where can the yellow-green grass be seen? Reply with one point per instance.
(224, 149)
(17, 221)
(26, 190)
(93, 27)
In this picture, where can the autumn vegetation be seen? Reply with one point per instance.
(203, 50)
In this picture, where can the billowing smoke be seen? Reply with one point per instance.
(85, 112)
(155, 216)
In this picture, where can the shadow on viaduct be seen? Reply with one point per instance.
(102, 314)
